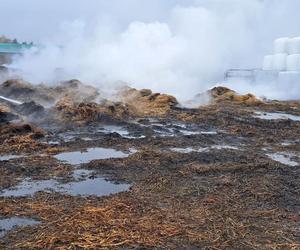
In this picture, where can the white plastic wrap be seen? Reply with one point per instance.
(281, 45)
(293, 62)
(294, 46)
(289, 77)
(268, 62)
(279, 62)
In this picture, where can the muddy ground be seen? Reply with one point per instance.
(221, 176)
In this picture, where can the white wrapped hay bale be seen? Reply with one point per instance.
(293, 62)
(279, 62)
(289, 78)
(281, 45)
(268, 62)
(266, 76)
(294, 46)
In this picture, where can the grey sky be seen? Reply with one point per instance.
(33, 19)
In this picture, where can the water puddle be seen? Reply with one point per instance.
(85, 184)
(202, 149)
(81, 157)
(29, 188)
(290, 143)
(276, 116)
(220, 147)
(73, 136)
(189, 150)
(14, 222)
(173, 128)
(123, 132)
(171, 132)
(283, 158)
(110, 129)
(96, 187)
(10, 157)
(189, 132)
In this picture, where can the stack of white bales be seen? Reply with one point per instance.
(286, 55)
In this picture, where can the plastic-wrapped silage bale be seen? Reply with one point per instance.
(281, 45)
(293, 46)
(288, 78)
(268, 62)
(293, 62)
(279, 62)
(266, 76)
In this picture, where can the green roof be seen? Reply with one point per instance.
(14, 48)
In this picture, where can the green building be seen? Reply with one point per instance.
(8, 50)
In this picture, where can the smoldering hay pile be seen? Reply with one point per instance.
(73, 101)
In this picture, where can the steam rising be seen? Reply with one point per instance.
(176, 49)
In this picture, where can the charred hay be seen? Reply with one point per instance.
(212, 197)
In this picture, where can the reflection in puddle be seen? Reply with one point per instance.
(13, 222)
(91, 154)
(10, 157)
(85, 185)
(28, 188)
(283, 158)
(202, 149)
(96, 186)
(276, 116)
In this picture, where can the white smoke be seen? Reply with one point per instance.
(183, 51)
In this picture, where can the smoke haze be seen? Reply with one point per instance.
(168, 46)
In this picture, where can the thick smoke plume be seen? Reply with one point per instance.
(168, 47)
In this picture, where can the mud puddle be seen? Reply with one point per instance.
(9, 224)
(82, 157)
(85, 184)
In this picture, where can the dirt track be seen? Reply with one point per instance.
(200, 178)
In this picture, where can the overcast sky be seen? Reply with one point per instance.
(39, 19)
(34, 19)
